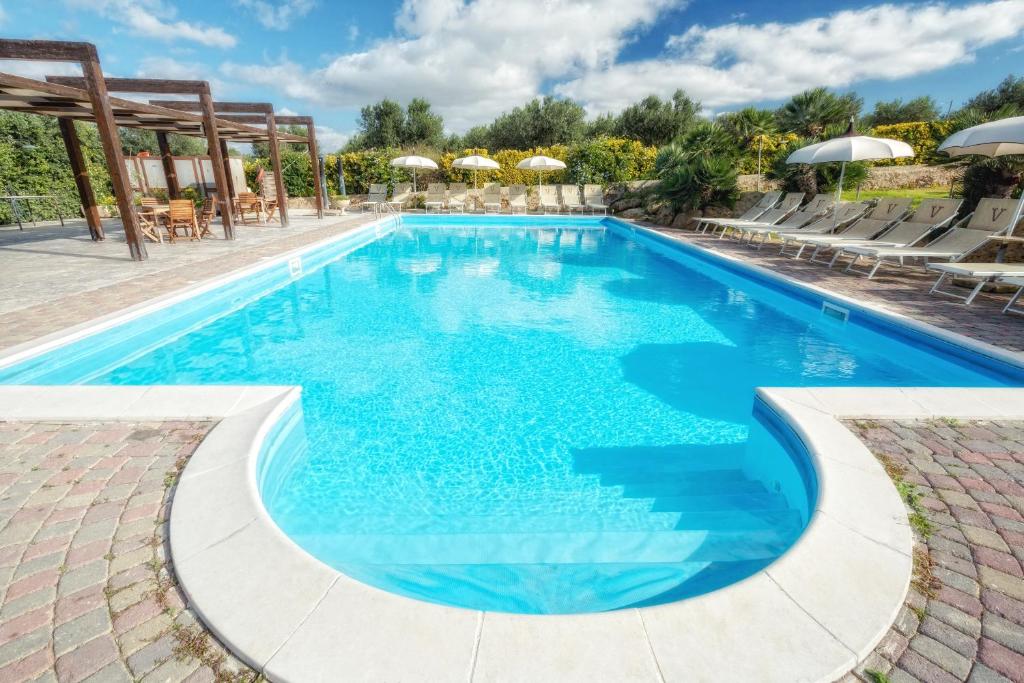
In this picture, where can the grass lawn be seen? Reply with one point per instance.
(917, 193)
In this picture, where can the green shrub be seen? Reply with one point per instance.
(923, 136)
(698, 183)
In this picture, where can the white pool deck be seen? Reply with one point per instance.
(810, 616)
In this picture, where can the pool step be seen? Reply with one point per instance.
(553, 548)
(643, 521)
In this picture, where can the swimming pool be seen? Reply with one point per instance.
(529, 415)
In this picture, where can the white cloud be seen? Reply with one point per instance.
(330, 140)
(40, 70)
(472, 59)
(168, 67)
(3, 16)
(739, 63)
(156, 19)
(277, 15)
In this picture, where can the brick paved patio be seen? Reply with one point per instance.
(86, 593)
(964, 618)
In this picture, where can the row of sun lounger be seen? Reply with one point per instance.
(458, 197)
(889, 233)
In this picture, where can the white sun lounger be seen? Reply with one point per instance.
(458, 195)
(570, 198)
(435, 197)
(517, 198)
(548, 199)
(593, 197)
(877, 219)
(811, 211)
(845, 213)
(982, 272)
(789, 204)
(1018, 282)
(767, 201)
(897, 229)
(990, 218)
(400, 195)
(492, 197)
(377, 194)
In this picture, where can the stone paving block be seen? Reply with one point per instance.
(115, 672)
(81, 630)
(958, 581)
(1006, 633)
(959, 642)
(923, 669)
(123, 599)
(28, 667)
(151, 656)
(986, 538)
(171, 671)
(959, 620)
(941, 655)
(1001, 659)
(13, 608)
(1008, 584)
(25, 645)
(145, 633)
(982, 674)
(75, 580)
(87, 659)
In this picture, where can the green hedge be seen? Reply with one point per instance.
(603, 160)
(923, 136)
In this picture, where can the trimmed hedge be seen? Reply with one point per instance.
(923, 136)
(603, 160)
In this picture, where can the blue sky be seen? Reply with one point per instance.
(474, 59)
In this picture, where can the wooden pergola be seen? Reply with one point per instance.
(263, 113)
(87, 98)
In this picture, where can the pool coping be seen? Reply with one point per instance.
(811, 615)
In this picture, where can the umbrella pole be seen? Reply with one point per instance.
(414, 180)
(760, 144)
(839, 196)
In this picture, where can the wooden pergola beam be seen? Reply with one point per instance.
(170, 173)
(180, 87)
(93, 83)
(252, 112)
(248, 118)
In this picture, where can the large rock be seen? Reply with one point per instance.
(664, 215)
(635, 213)
(629, 201)
(684, 221)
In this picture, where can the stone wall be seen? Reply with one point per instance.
(879, 178)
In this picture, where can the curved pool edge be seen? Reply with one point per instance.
(811, 615)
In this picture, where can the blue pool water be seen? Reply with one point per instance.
(539, 420)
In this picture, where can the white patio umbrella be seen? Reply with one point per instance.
(993, 139)
(849, 147)
(413, 162)
(540, 163)
(476, 163)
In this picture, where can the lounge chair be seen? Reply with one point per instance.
(1017, 282)
(845, 213)
(929, 216)
(593, 198)
(791, 215)
(517, 198)
(548, 199)
(571, 198)
(377, 194)
(458, 195)
(400, 196)
(181, 216)
(990, 218)
(435, 197)
(268, 193)
(982, 272)
(811, 212)
(492, 197)
(873, 222)
(766, 202)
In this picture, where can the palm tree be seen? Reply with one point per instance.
(809, 113)
(751, 124)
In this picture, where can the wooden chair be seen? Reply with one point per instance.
(268, 192)
(182, 215)
(147, 222)
(206, 214)
(248, 202)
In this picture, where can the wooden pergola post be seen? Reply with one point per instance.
(275, 161)
(173, 188)
(80, 169)
(227, 167)
(85, 54)
(97, 89)
(224, 197)
(314, 158)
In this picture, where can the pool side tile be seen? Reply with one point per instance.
(46, 403)
(852, 402)
(193, 528)
(752, 631)
(255, 568)
(591, 647)
(377, 636)
(185, 402)
(851, 586)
